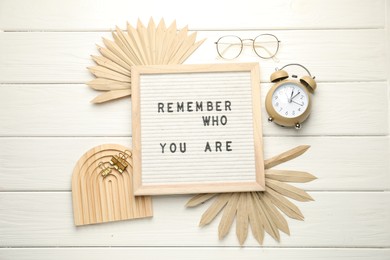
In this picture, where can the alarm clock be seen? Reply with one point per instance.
(288, 102)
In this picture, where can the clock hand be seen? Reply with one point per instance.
(292, 93)
(297, 103)
(296, 95)
(289, 98)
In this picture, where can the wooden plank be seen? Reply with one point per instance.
(51, 168)
(335, 219)
(340, 163)
(87, 15)
(361, 109)
(387, 31)
(331, 55)
(194, 253)
(64, 56)
(70, 110)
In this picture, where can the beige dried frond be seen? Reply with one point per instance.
(151, 45)
(262, 211)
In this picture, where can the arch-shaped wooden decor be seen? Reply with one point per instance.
(98, 199)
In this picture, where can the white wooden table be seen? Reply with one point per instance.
(47, 123)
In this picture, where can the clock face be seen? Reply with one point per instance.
(290, 100)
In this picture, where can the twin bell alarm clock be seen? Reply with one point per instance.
(288, 102)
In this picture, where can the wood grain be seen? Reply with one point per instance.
(209, 253)
(44, 129)
(89, 16)
(80, 118)
(45, 219)
(327, 160)
(331, 55)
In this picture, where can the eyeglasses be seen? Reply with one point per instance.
(230, 46)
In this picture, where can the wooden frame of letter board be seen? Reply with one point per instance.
(203, 187)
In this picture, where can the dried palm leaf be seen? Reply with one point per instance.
(286, 156)
(102, 72)
(286, 206)
(260, 210)
(229, 214)
(289, 176)
(268, 224)
(274, 214)
(242, 218)
(111, 56)
(288, 190)
(254, 221)
(199, 199)
(103, 61)
(151, 45)
(108, 84)
(215, 208)
(111, 95)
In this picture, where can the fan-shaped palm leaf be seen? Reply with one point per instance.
(260, 210)
(138, 46)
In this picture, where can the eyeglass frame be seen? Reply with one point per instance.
(253, 46)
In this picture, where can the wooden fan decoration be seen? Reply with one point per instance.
(260, 210)
(102, 187)
(151, 45)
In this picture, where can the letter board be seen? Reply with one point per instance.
(197, 129)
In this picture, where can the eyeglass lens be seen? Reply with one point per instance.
(266, 45)
(229, 47)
